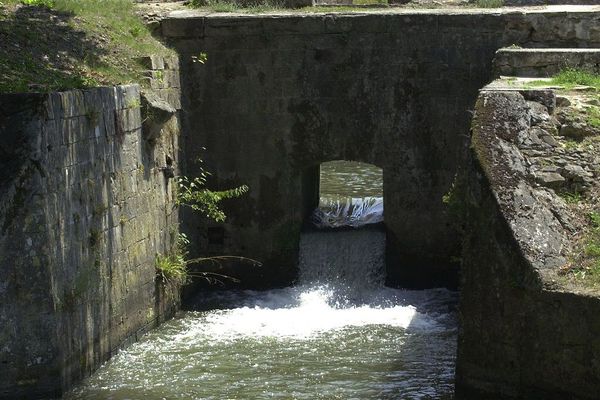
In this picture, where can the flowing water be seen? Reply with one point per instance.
(351, 194)
(342, 179)
(338, 334)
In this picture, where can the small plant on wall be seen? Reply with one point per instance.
(193, 193)
(172, 267)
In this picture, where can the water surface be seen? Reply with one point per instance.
(294, 343)
(339, 334)
(340, 180)
(350, 194)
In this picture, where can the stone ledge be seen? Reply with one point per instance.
(194, 24)
(543, 62)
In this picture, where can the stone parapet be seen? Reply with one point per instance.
(282, 92)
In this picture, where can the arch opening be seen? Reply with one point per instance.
(350, 195)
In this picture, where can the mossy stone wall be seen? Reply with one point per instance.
(86, 206)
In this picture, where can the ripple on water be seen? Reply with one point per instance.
(294, 343)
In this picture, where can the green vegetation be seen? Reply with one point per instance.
(452, 199)
(369, 2)
(63, 44)
(571, 197)
(229, 6)
(173, 267)
(263, 6)
(593, 116)
(571, 144)
(571, 77)
(489, 3)
(194, 193)
(39, 3)
(586, 265)
(455, 201)
(201, 58)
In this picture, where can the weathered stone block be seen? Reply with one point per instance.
(152, 62)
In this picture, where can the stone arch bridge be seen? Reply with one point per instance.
(280, 94)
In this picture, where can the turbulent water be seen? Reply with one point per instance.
(338, 334)
(294, 343)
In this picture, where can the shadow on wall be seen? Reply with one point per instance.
(40, 51)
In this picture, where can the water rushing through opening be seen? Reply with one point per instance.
(338, 334)
(351, 194)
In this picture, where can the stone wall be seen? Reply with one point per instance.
(543, 62)
(86, 205)
(523, 333)
(279, 94)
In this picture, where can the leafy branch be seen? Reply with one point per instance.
(192, 192)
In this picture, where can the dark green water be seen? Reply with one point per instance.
(350, 179)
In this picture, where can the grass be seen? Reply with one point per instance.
(585, 267)
(571, 144)
(231, 6)
(570, 78)
(593, 116)
(171, 268)
(489, 3)
(48, 45)
(370, 2)
(571, 197)
(264, 6)
(39, 3)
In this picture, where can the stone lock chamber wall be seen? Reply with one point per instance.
(522, 335)
(279, 94)
(86, 206)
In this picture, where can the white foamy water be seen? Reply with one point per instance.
(353, 212)
(299, 313)
(338, 334)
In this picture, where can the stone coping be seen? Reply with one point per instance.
(191, 14)
(547, 50)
